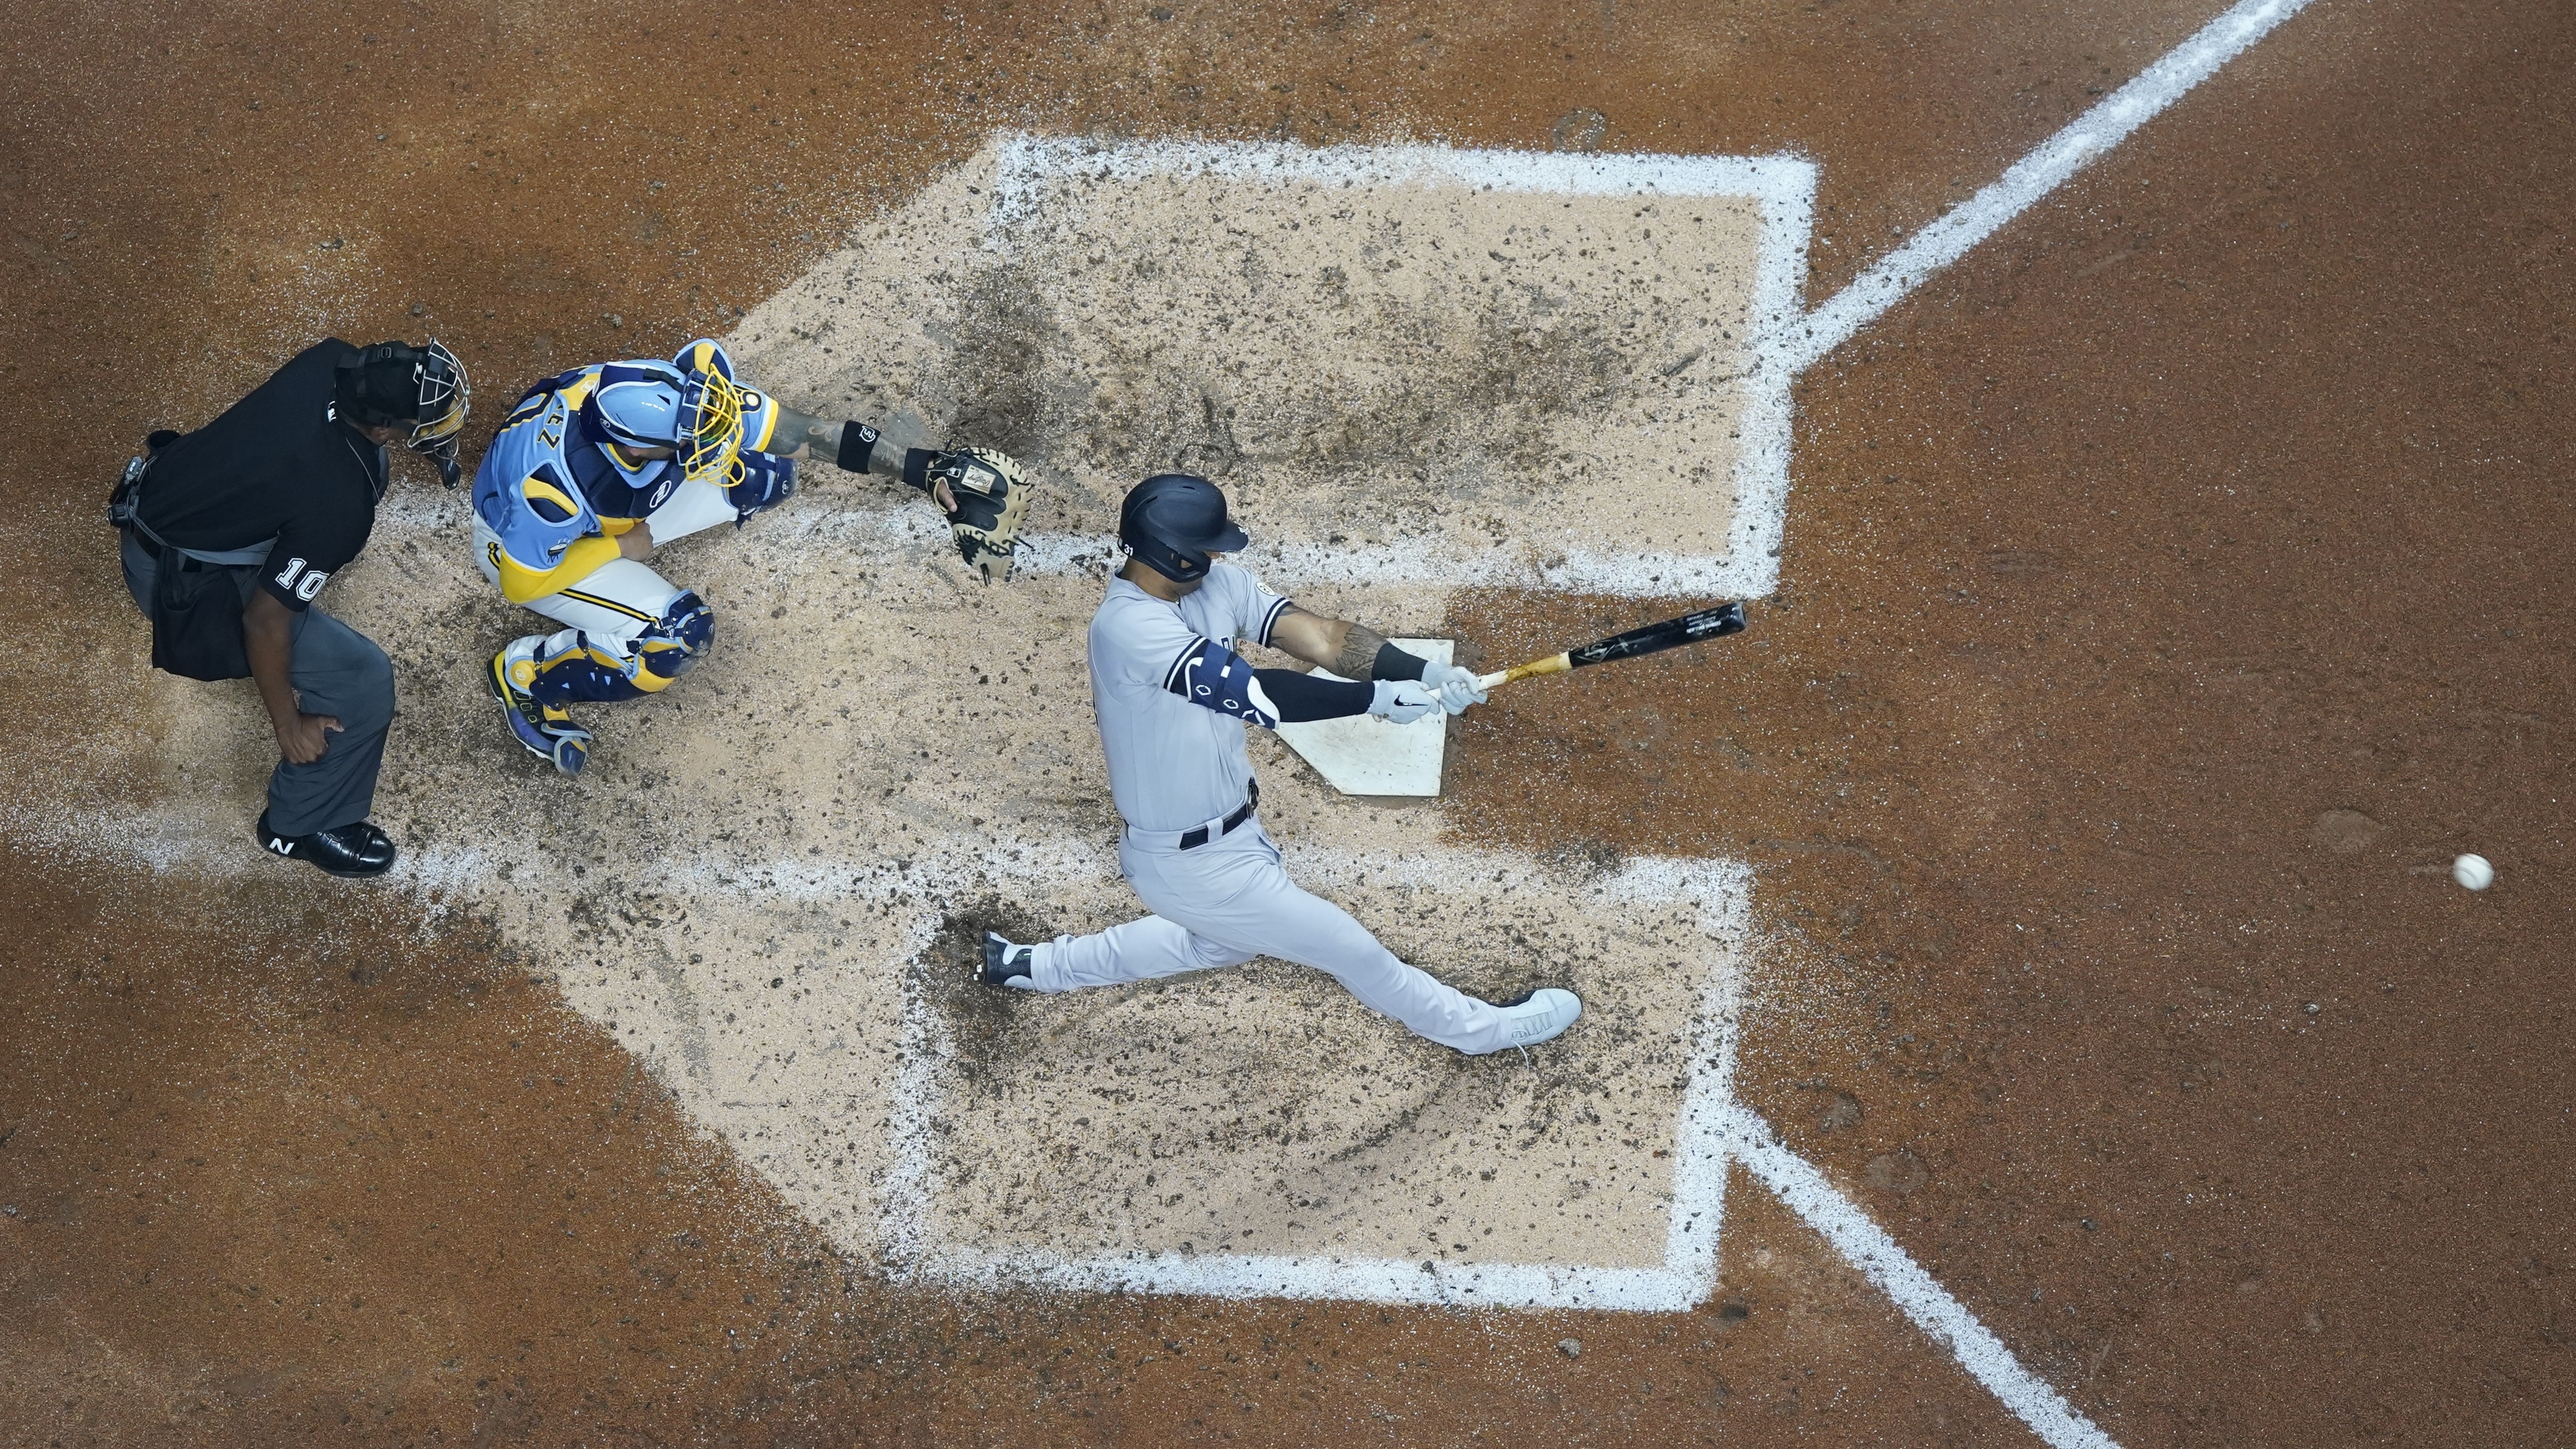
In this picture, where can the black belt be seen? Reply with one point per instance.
(1193, 839)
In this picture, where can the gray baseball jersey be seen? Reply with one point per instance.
(1174, 764)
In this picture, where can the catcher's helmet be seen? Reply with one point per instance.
(638, 406)
(1173, 521)
(689, 403)
(394, 384)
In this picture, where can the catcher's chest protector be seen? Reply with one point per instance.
(545, 483)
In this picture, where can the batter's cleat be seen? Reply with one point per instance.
(1541, 1015)
(1006, 964)
(351, 852)
(544, 730)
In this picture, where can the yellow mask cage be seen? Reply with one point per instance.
(711, 452)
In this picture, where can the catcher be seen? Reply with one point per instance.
(594, 469)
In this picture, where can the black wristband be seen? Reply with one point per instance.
(1394, 663)
(858, 443)
(916, 467)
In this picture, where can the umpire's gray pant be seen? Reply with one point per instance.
(1229, 901)
(336, 671)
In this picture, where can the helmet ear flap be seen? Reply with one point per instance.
(1179, 565)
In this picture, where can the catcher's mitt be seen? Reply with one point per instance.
(992, 502)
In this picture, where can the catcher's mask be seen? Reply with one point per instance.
(394, 384)
(690, 405)
(710, 440)
(1173, 521)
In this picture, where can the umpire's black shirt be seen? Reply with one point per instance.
(278, 464)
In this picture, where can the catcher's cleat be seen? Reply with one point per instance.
(1542, 1015)
(1006, 964)
(545, 731)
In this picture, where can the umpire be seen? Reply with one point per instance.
(231, 531)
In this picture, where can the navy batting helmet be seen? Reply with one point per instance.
(1173, 521)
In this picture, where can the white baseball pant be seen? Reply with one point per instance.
(621, 598)
(1229, 901)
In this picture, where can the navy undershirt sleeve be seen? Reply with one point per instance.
(1394, 663)
(1303, 697)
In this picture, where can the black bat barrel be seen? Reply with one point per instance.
(1714, 623)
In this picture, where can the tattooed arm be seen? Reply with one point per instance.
(1351, 650)
(852, 445)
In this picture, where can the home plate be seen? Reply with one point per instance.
(1365, 755)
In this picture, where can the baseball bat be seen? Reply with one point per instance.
(1690, 628)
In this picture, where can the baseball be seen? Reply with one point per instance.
(2473, 871)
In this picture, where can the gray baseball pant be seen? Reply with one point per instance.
(336, 671)
(1229, 901)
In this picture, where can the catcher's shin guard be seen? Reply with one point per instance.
(545, 731)
(577, 666)
(675, 643)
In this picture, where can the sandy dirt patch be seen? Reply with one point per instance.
(766, 884)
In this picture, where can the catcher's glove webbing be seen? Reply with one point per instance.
(992, 502)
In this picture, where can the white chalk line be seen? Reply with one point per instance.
(1783, 189)
(1718, 890)
(2084, 140)
(911, 1226)
(1868, 1248)
(1710, 1127)
(1294, 565)
(1030, 163)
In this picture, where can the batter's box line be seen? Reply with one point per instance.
(1711, 1131)
(1299, 565)
(1783, 189)
(1717, 891)
(875, 530)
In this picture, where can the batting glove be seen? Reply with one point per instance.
(1402, 701)
(1455, 686)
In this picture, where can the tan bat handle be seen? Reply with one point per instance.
(1553, 664)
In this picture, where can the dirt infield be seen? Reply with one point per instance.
(2170, 589)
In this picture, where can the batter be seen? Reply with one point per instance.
(1173, 699)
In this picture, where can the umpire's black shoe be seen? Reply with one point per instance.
(1006, 964)
(352, 852)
